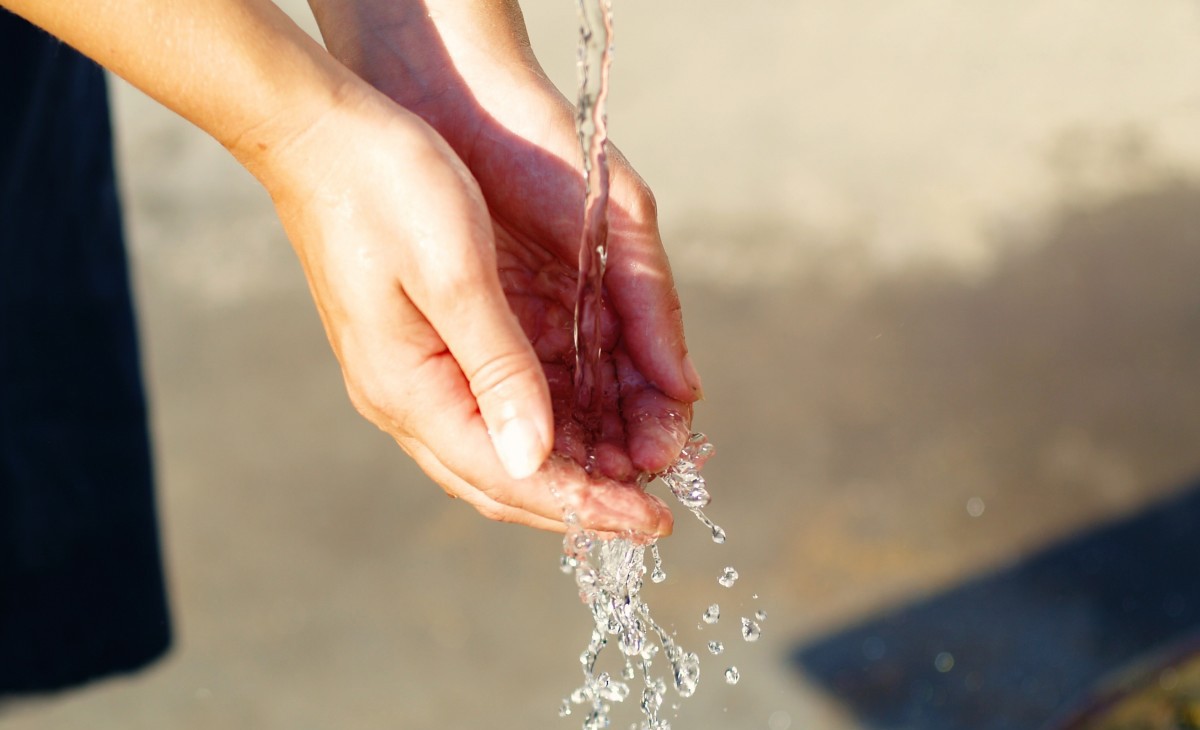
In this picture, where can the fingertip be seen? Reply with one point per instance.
(620, 508)
(665, 519)
(514, 401)
(692, 377)
(656, 442)
(521, 448)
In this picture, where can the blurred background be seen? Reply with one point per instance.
(939, 264)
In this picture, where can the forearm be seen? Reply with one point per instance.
(239, 69)
(419, 51)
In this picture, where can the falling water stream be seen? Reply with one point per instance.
(609, 572)
(591, 122)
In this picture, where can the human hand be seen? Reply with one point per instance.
(407, 269)
(395, 238)
(467, 69)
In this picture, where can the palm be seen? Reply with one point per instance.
(485, 96)
(536, 201)
(637, 428)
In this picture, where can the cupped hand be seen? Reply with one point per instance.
(453, 327)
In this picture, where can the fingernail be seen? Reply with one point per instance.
(519, 447)
(692, 377)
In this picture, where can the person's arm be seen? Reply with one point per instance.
(392, 231)
(241, 70)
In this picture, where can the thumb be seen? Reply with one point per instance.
(510, 388)
(458, 291)
(504, 374)
(452, 278)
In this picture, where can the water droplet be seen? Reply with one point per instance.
(728, 577)
(732, 675)
(627, 672)
(718, 535)
(564, 709)
(585, 577)
(760, 614)
(596, 720)
(943, 662)
(687, 675)
(615, 692)
(652, 698)
(688, 486)
(658, 575)
(975, 506)
(754, 597)
(750, 630)
(583, 541)
(712, 614)
(715, 647)
(632, 641)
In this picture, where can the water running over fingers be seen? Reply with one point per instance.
(609, 573)
(595, 59)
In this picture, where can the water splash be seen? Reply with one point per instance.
(750, 630)
(609, 574)
(658, 575)
(685, 482)
(728, 577)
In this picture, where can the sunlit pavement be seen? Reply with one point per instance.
(938, 264)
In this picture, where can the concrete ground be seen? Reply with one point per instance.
(939, 265)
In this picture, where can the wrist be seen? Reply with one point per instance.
(270, 144)
(428, 54)
(359, 137)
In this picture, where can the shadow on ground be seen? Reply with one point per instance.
(1061, 393)
(1005, 650)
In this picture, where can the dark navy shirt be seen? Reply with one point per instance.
(81, 587)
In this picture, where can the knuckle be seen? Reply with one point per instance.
(504, 376)
(493, 511)
(456, 281)
(362, 401)
(645, 205)
(455, 284)
(376, 403)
